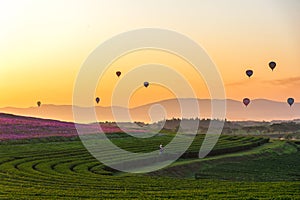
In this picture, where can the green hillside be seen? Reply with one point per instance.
(41, 169)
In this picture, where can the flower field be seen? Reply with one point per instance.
(44, 166)
(19, 127)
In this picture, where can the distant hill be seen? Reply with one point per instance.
(22, 127)
(257, 110)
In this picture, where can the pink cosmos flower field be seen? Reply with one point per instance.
(14, 127)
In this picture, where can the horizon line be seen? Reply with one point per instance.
(227, 99)
(225, 120)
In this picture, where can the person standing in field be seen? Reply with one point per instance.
(161, 149)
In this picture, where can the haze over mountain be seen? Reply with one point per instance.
(258, 110)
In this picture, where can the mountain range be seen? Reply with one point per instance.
(257, 110)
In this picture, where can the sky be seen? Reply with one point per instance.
(43, 45)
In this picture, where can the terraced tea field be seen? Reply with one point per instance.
(53, 169)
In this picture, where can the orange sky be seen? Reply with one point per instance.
(44, 43)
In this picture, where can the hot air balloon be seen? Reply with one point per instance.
(272, 65)
(97, 99)
(38, 103)
(249, 73)
(290, 101)
(146, 84)
(246, 101)
(118, 73)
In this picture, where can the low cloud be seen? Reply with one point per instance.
(293, 81)
(285, 82)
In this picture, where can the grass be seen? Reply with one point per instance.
(276, 162)
(54, 169)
